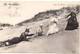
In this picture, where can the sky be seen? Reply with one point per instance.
(27, 9)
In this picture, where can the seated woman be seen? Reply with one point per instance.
(72, 22)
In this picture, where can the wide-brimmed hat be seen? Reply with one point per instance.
(41, 25)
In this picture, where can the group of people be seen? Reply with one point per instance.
(25, 36)
(53, 28)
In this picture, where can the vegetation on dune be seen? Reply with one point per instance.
(49, 13)
(5, 24)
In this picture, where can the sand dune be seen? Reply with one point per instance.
(62, 42)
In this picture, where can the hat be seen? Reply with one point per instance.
(27, 30)
(41, 24)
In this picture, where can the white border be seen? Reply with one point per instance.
(39, 0)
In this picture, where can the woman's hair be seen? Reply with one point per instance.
(27, 30)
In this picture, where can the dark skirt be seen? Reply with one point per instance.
(72, 24)
(16, 40)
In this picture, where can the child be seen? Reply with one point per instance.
(40, 30)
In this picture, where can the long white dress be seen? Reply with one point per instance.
(53, 27)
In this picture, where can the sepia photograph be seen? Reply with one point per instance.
(39, 26)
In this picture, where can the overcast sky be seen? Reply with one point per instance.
(26, 10)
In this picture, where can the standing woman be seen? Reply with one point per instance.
(53, 28)
(72, 22)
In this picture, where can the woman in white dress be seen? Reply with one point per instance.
(53, 26)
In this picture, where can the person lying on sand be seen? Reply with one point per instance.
(15, 40)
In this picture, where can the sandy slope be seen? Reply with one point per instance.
(62, 42)
(54, 43)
